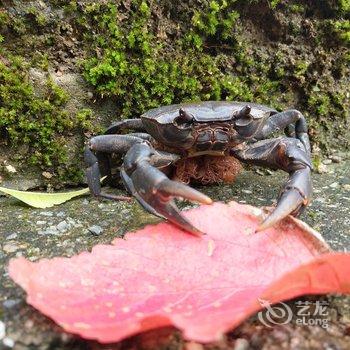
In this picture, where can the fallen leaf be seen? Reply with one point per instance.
(161, 276)
(43, 199)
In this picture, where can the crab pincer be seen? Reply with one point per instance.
(293, 199)
(153, 189)
(296, 193)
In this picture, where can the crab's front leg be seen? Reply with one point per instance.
(289, 155)
(153, 189)
(104, 145)
(294, 124)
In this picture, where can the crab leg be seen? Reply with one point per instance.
(102, 145)
(152, 188)
(134, 124)
(294, 124)
(289, 155)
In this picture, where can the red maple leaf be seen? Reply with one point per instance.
(161, 276)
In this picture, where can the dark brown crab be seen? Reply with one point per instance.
(189, 130)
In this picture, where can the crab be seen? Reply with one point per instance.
(167, 135)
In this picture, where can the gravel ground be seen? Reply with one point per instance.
(84, 222)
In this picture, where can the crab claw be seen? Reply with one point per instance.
(294, 197)
(154, 191)
(162, 201)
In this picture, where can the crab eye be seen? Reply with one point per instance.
(243, 117)
(184, 119)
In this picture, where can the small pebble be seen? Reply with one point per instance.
(62, 226)
(10, 303)
(41, 222)
(52, 230)
(46, 175)
(61, 214)
(322, 169)
(65, 338)
(12, 236)
(241, 344)
(334, 185)
(29, 324)
(10, 343)
(10, 248)
(95, 230)
(335, 159)
(10, 169)
(46, 213)
(316, 149)
(327, 161)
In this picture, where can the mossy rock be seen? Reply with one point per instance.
(139, 54)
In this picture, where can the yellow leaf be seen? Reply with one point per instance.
(43, 199)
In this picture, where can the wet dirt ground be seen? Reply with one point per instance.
(84, 222)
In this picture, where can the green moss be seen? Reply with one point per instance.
(274, 3)
(326, 106)
(27, 118)
(296, 8)
(4, 18)
(342, 29)
(343, 7)
(39, 122)
(143, 73)
(40, 60)
(39, 18)
(85, 118)
(336, 27)
(300, 68)
(320, 102)
(316, 162)
(217, 21)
